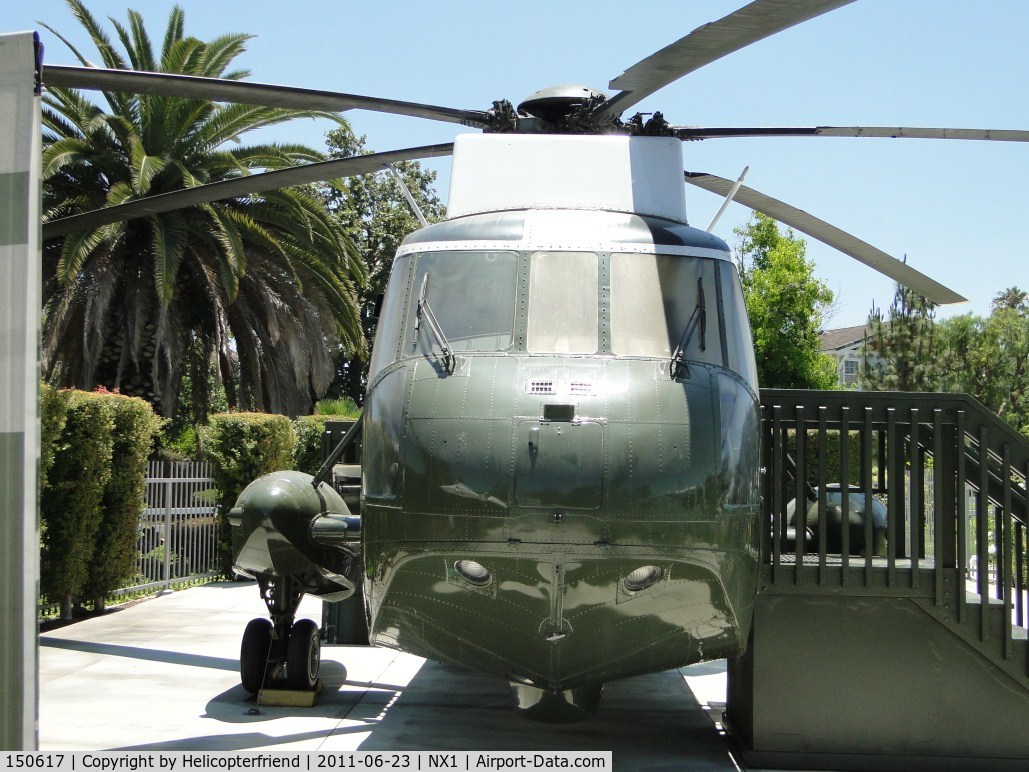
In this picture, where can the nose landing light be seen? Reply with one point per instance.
(473, 573)
(642, 578)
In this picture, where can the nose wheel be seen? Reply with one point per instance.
(280, 653)
(254, 653)
(303, 655)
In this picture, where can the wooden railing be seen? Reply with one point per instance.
(901, 493)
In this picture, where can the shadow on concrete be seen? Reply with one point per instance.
(240, 741)
(234, 705)
(647, 722)
(136, 652)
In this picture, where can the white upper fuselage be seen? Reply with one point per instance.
(502, 172)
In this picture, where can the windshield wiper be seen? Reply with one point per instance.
(424, 311)
(698, 318)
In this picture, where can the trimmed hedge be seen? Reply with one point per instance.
(114, 558)
(70, 510)
(307, 454)
(53, 413)
(243, 447)
(93, 453)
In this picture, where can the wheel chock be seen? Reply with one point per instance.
(290, 698)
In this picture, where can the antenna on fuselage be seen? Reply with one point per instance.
(407, 194)
(728, 199)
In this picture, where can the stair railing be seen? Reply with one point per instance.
(913, 494)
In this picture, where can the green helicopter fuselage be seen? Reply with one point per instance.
(560, 450)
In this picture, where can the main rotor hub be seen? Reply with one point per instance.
(557, 103)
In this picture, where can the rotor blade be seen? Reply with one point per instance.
(243, 92)
(831, 235)
(706, 44)
(895, 132)
(242, 186)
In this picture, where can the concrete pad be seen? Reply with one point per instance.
(163, 675)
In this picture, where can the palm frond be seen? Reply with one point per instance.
(141, 46)
(144, 168)
(62, 153)
(76, 249)
(172, 32)
(220, 52)
(231, 253)
(169, 234)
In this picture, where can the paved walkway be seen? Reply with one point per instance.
(163, 675)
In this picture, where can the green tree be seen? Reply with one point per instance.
(988, 357)
(787, 306)
(266, 284)
(1013, 298)
(900, 352)
(374, 215)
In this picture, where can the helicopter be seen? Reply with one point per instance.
(560, 468)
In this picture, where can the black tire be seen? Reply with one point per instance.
(303, 655)
(253, 654)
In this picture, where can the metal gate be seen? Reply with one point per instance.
(178, 529)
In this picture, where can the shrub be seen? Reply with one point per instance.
(338, 408)
(242, 447)
(114, 558)
(179, 443)
(307, 455)
(71, 509)
(53, 413)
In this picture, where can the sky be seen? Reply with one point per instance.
(958, 210)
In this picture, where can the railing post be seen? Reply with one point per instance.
(982, 537)
(1020, 584)
(881, 438)
(894, 495)
(778, 491)
(845, 493)
(768, 469)
(1004, 548)
(823, 520)
(800, 495)
(866, 486)
(167, 527)
(944, 502)
(915, 520)
(962, 517)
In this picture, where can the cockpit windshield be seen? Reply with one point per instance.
(563, 303)
(471, 296)
(660, 306)
(678, 308)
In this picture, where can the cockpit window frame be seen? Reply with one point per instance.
(723, 347)
(450, 301)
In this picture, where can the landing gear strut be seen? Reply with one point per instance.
(280, 652)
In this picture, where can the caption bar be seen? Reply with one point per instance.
(415, 761)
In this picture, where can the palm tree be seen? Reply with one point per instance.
(1011, 298)
(373, 212)
(263, 287)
